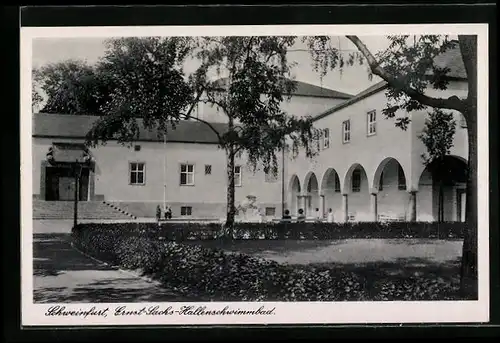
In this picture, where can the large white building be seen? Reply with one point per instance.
(367, 168)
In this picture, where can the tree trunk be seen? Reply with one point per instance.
(468, 279)
(468, 275)
(230, 208)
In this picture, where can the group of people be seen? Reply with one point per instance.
(301, 217)
(167, 212)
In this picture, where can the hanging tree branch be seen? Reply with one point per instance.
(453, 102)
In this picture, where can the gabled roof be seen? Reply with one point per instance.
(366, 93)
(77, 126)
(451, 58)
(302, 89)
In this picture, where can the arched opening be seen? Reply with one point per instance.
(442, 191)
(330, 188)
(294, 194)
(312, 194)
(390, 180)
(357, 188)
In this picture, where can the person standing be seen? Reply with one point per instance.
(329, 218)
(301, 217)
(317, 215)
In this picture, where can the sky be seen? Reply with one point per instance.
(352, 80)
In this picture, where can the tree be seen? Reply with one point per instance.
(250, 96)
(437, 137)
(143, 78)
(71, 87)
(408, 66)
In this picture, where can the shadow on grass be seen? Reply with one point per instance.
(124, 290)
(257, 246)
(53, 254)
(410, 275)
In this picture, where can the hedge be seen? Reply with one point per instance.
(197, 273)
(284, 230)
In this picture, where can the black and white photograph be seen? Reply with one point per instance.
(278, 174)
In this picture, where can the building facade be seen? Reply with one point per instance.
(367, 169)
(185, 170)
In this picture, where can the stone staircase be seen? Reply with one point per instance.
(86, 210)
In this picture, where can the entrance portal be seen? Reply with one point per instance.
(60, 183)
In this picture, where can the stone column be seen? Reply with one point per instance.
(300, 203)
(322, 205)
(345, 207)
(373, 207)
(413, 206)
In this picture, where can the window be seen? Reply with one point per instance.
(381, 183)
(237, 175)
(271, 177)
(137, 148)
(372, 123)
(337, 183)
(401, 179)
(326, 138)
(208, 169)
(137, 171)
(346, 131)
(270, 211)
(356, 180)
(186, 210)
(187, 174)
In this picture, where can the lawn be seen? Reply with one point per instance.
(387, 266)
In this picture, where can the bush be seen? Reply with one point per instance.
(201, 274)
(283, 230)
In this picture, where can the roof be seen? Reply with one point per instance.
(304, 89)
(450, 58)
(77, 126)
(366, 93)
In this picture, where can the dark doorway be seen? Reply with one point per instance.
(60, 183)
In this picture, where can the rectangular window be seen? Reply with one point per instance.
(208, 169)
(401, 179)
(137, 148)
(372, 123)
(187, 174)
(337, 183)
(137, 173)
(346, 131)
(270, 211)
(237, 176)
(326, 138)
(381, 183)
(356, 180)
(186, 210)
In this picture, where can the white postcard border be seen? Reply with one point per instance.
(283, 313)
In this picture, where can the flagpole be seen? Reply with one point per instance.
(164, 171)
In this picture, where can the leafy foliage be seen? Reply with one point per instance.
(251, 95)
(197, 273)
(437, 135)
(409, 60)
(147, 82)
(284, 230)
(71, 87)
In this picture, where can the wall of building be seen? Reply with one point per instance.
(368, 151)
(298, 106)
(207, 196)
(418, 118)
